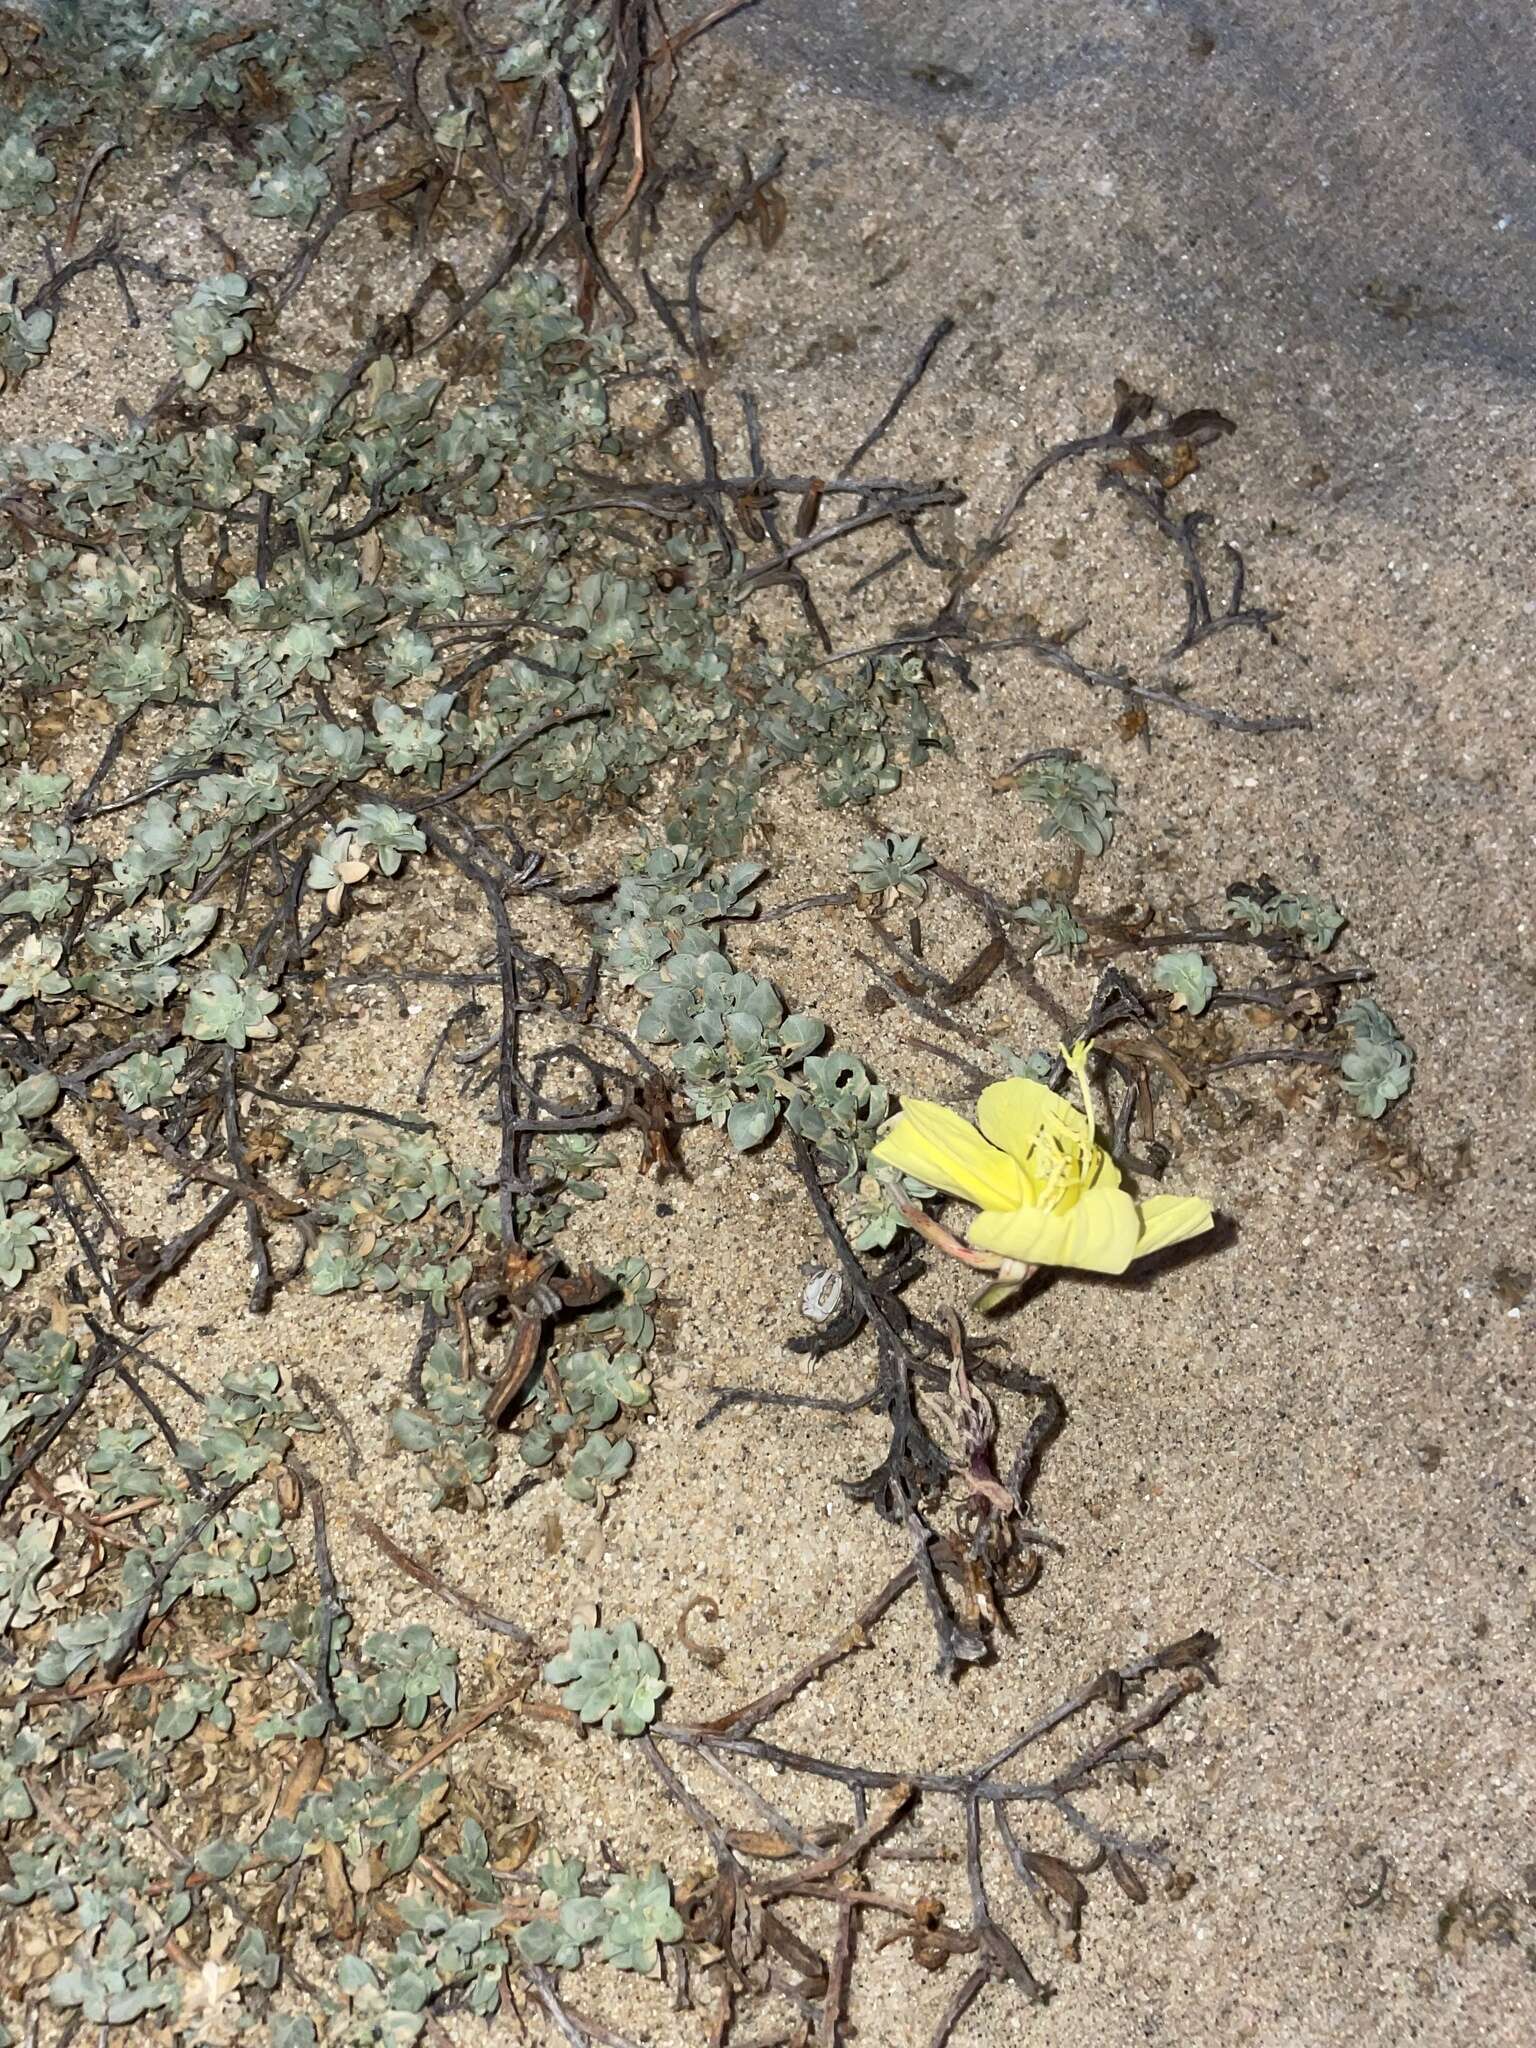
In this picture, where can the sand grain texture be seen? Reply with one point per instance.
(1316, 1441)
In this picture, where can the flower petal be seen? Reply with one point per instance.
(1170, 1219)
(1013, 1112)
(935, 1145)
(1100, 1233)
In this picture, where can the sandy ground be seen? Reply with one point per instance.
(1316, 1439)
(1319, 1441)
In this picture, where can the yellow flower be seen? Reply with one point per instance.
(1048, 1193)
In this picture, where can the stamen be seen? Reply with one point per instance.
(1077, 1061)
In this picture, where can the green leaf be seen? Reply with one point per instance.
(1378, 1068)
(1058, 928)
(30, 974)
(36, 1095)
(1263, 907)
(146, 1080)
(641, 1916)
(749, 1123)
(596, 1469)
(1188, 978)
(211, 328)
(1079, 800)
(611, 1676)
(891, 866)
(598, 1383)
(220, 1859)
(416, 1432)
(23, 1563)
(229, 1010)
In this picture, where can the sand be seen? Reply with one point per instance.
(1314, 1439)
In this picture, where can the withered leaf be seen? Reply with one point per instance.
(809, 509)
(976, 973)
(1184, 464)
(514, 1852)
(1062, 1879)
(338, 1893)
(795, 1952)
(1124, 1876)
(759, 1842)
(303, 1778)
(1201, 426)
(1130, 405)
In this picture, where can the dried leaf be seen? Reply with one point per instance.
(1200, 426)
(757, 1842)
(1062, 1879)
(1130, 405)
(338, 1893)
(516, 1851)
(303, 1778)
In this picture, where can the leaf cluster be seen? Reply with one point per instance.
(627, 1920)
(1264, 907)
(1079, 799)
(1378, 1067)
(609, 1676)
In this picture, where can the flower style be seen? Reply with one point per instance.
(1048, 1193)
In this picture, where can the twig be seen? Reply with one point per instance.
(263, 1285)
(853, 1639)
(286, 1099)
(884, 508)
(770, 518)
(138, 1616)
(116, 740)
(1056, 656)
(1151, 500)
(102, 1358)
(837, 1977)
(161, 1421)
(507, 1091)
(674, 44)
(960, 2005)
(179, 1249)
(904, 391)
(82, 187)
(1294, 1055)
(891, 1808)
(741, 201)
(462, 1730)
(432, 800)
(436, 1583)
(824, 1874)
(830, 899)
(331, 1606)
(306, 1384)
(544, 1990)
